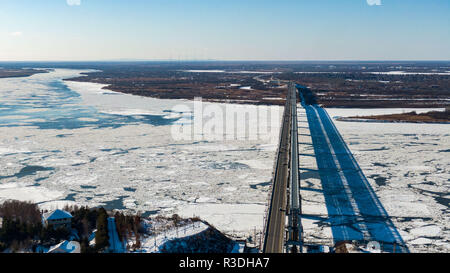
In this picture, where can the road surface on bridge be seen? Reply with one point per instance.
(276, 222)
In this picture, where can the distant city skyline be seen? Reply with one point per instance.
(254, 30)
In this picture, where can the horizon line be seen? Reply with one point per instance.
(218, 60)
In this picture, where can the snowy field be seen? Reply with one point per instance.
(152, 244)
(74, 143)
(406, 164)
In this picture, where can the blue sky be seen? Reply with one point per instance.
(36, 30)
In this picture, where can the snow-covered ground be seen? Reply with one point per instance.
(407, 165)
(162, 232)
(152, 244)
(240, 219)
(69, 142)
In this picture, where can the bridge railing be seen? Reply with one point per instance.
(274, 175)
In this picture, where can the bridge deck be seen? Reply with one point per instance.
(275, 230)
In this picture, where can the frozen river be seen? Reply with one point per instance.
(74, 143)
(406, 164)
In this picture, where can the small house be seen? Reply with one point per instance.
(58, 219)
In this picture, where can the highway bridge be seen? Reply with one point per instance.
(285, 198)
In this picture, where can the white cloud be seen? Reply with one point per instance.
(16, 34)
(73, 2)
(374, 2)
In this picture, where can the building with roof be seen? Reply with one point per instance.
(57, 219)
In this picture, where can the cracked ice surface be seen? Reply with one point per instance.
(67, 142)
(408, 167)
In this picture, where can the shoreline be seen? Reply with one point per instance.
(430, 117)
(263, 102)
(347, 119)
(208, 93)
(20, 73)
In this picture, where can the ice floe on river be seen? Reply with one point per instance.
(407, 165)
(70, 142)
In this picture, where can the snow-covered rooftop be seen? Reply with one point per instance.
(57, 215)
(65, 247)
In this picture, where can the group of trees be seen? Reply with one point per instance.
(362, 89)
(84, 221)
(20, 211)
(17, 234)
(127, 226)
(22, 227)
(445, 115)
(167, 81)
(21, 224)
(101, 236)
(431, 117)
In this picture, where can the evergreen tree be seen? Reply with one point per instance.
(101, 236)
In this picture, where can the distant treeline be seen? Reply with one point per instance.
(366, 90)
(429, 117)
